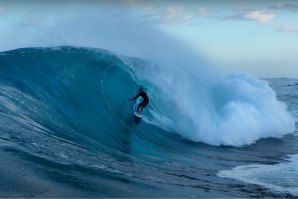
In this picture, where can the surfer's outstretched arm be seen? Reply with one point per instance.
(135, 97)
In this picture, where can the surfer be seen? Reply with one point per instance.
(145, 101)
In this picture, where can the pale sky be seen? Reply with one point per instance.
(259, 37)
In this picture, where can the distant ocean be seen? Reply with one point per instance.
(68, 130)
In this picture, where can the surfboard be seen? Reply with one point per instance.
(138, 115)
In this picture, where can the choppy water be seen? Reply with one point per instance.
(67, 129)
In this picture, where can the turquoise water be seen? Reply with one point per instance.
(67, 130)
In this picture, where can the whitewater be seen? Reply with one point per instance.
(67, 128)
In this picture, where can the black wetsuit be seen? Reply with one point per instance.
(145, 97)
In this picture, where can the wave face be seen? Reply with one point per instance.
(60, 91)
(83, 91)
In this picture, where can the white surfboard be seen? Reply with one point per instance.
(138, 115)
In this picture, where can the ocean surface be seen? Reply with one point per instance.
(67, 129)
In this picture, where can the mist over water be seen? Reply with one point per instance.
(235, 110)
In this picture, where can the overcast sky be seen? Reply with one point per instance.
(259, 37)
